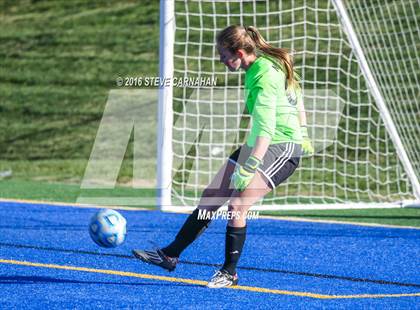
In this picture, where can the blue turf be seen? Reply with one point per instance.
(296, 256)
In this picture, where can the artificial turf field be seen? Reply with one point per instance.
(48, 261)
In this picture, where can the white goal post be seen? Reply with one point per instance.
(359, 68)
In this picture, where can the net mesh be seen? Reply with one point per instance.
(355, 159)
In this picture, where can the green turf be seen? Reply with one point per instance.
(39, 191)
(70, 193)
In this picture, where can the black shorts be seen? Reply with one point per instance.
(280, 161)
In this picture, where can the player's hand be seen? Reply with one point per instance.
(307, 147)
(244, 174)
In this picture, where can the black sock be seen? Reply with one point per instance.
(235, 239)
(191, 229)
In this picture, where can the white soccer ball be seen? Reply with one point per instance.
(108, 228)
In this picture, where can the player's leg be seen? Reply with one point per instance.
(239, 205)
(217, 193)
(214, 196)
(280, 161)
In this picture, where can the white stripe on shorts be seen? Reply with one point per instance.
(267, 177)
(279, 159)
(289, 155)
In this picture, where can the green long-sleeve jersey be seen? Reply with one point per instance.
(272, 107)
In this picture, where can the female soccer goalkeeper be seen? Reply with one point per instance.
(271, 153)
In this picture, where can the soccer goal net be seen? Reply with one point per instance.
(359, 67)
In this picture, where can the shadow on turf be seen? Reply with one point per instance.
(37, 280)
(288, 272)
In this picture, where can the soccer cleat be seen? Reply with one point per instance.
(156, 257)
(222, 278)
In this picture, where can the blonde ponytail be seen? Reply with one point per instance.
(280, 54)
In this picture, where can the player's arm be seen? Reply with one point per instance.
(261, 147)
(307, 147)
(264, 119)
(301, 109)
(263, 127)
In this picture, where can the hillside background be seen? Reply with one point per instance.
(58, 62)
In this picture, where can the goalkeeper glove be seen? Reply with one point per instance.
(244, 174)
(307, 147)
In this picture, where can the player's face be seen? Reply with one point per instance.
(231, 61)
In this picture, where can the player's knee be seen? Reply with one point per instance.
(238, 204)
(211, 199)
